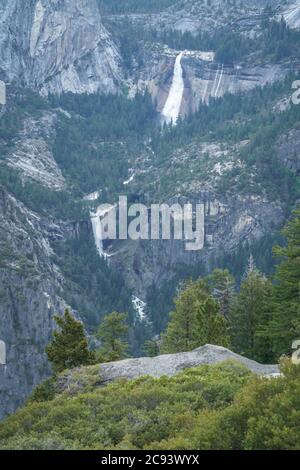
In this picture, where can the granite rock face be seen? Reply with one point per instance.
(166, 365)
(204, 77)
(194, 15)
(57, 46)
(291, 14)
(28, 299)
(32, 154)
(288, 150)
(230, 220)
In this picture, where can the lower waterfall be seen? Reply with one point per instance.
(98, 230)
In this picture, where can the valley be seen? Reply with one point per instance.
(173, 102)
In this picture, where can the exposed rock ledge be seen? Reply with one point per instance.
(166, 365)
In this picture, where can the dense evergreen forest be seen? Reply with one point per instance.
(274, 42)
(258, 318)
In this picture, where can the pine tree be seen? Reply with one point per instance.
(221, 285)
(251, 315)
(69, 347)
(285, 326)
(151, 348)
(195, 321)
(111, 332)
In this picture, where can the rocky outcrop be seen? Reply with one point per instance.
(29, 285)
(165, 365)
(291, 14)
(288, 150)
(232, 218)
(204, 78)
(57, 46)
(32, 155)
(228, 223)
(198, 15)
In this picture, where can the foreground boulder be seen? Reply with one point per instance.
(165, 365)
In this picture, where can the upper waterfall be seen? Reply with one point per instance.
(171, 110)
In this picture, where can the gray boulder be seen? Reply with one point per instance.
(165, 365)
(171, 364)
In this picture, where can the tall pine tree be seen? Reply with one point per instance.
(112, 333)
(69, 347)
(251, 315)
(221, 285)
(195, 321)
(285, 326)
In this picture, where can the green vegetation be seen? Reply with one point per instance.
(231, 120)
(209, 407)
(285, 325)
(195, 322)
(92, 287)
(250, 317)
(273, 41)
(69, 347)
(260, 319)
(160, 299)
(111, 332)
(45, 391)
(93, 148)
(221, 285)
(37, 197)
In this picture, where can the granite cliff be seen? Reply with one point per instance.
(57, 46)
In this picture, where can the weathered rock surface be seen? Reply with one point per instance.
(166, 365)
(32, 154)
(230, 220)
(195, 15)
(204, 77)
(291, 14)
(29, 283)
(56, 46)
(287, 150)
(30, 295)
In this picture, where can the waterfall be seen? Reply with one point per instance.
(97, 231)
(96, 220)
(219, 82)
(140, 307)
(2, 353)
(172, 107)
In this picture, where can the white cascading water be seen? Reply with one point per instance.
(140, 307)
(97, 231)
(98, 228)
(171, 110)
(219, 78)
